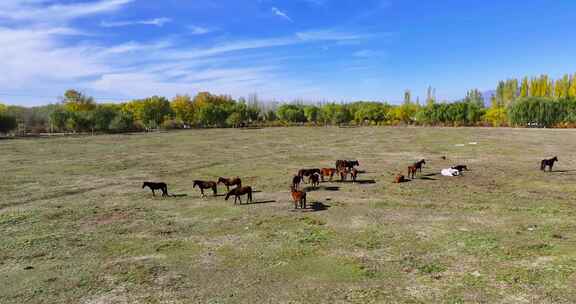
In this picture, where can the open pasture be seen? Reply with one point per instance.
(78, 228)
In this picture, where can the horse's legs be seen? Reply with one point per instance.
(153, 194)
(202, 191)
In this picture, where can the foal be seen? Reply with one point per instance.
(548, 163)
(299, 198)
(206, 185)
(156, 186)
(230, 182)
(239, 191)
(327, 172)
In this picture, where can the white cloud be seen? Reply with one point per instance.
(37, 11)
(200, 30)
(159, 22)
(281, 14)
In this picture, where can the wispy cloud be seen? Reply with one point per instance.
(159, 22)
(281, 14)
(200, 30)
(36, 11)
(367, 54)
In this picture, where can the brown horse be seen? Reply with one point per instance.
(399, 179)
(419, 164)
(347, 164)
(236, 181)
(239, 191)
(354, 174)
(328, 172)
(156, 186)
(343, 174)
(299, 198)
(315, 180)
(206, 185)
(412, 171)
(548, 163)
(296, 180)
(307, 172)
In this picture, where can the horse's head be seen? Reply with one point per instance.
(196, 183)
(555, 158)
(423, 162)
(144, 185)
(355, 163)
(221, 180)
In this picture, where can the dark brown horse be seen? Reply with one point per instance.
(206, 185)
(315, 180)
(460, 168)
(354, 174)
(238, 192)
(419, 164)
(347, 164)
(236, 181)
(299, 198)
(307, 172)
(343, 174)
(296, 180)
(327, 172)
(548, 163)
(156, 186)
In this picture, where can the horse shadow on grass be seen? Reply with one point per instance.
(359, 181)
(178, 195)
(427, 178)
(314, 207)
(259, 202)
(319, 188)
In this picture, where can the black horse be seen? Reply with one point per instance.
(548, 163)
(460, 168)
(206, 185)
(156, 186)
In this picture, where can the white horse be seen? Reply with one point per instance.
(450, 172)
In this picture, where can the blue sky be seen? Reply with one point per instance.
(331, 50)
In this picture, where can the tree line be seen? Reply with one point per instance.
(539, 101)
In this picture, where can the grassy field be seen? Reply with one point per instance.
(77, 228)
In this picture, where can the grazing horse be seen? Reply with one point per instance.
(156, 186)
(307, 172)
(230, 182)
(206, 185)
(460, 168)
(327, 172)
(548, 163)
(315, 180)
(354, 174)
(400, 179)
(296, 180)
(346, 164)
(239, 191)
(299, 198)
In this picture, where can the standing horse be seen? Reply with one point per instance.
(239, 191)
(412, 171)
(299, 198)
(296, 180)
(315, 180)
(307, 172)
(548, 163)
(156, 186)
(343, 174)
(354, 174)
(419, 164)
(346, 164)
(230, 182)
(328, 172)
(206, 185)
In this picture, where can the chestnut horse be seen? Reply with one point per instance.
(328, 172)
(299, 198)
(548, 163)
(239, 191)
(412, 171)
(230, 182)
(206, 185)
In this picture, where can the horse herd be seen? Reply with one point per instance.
(343, 169)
